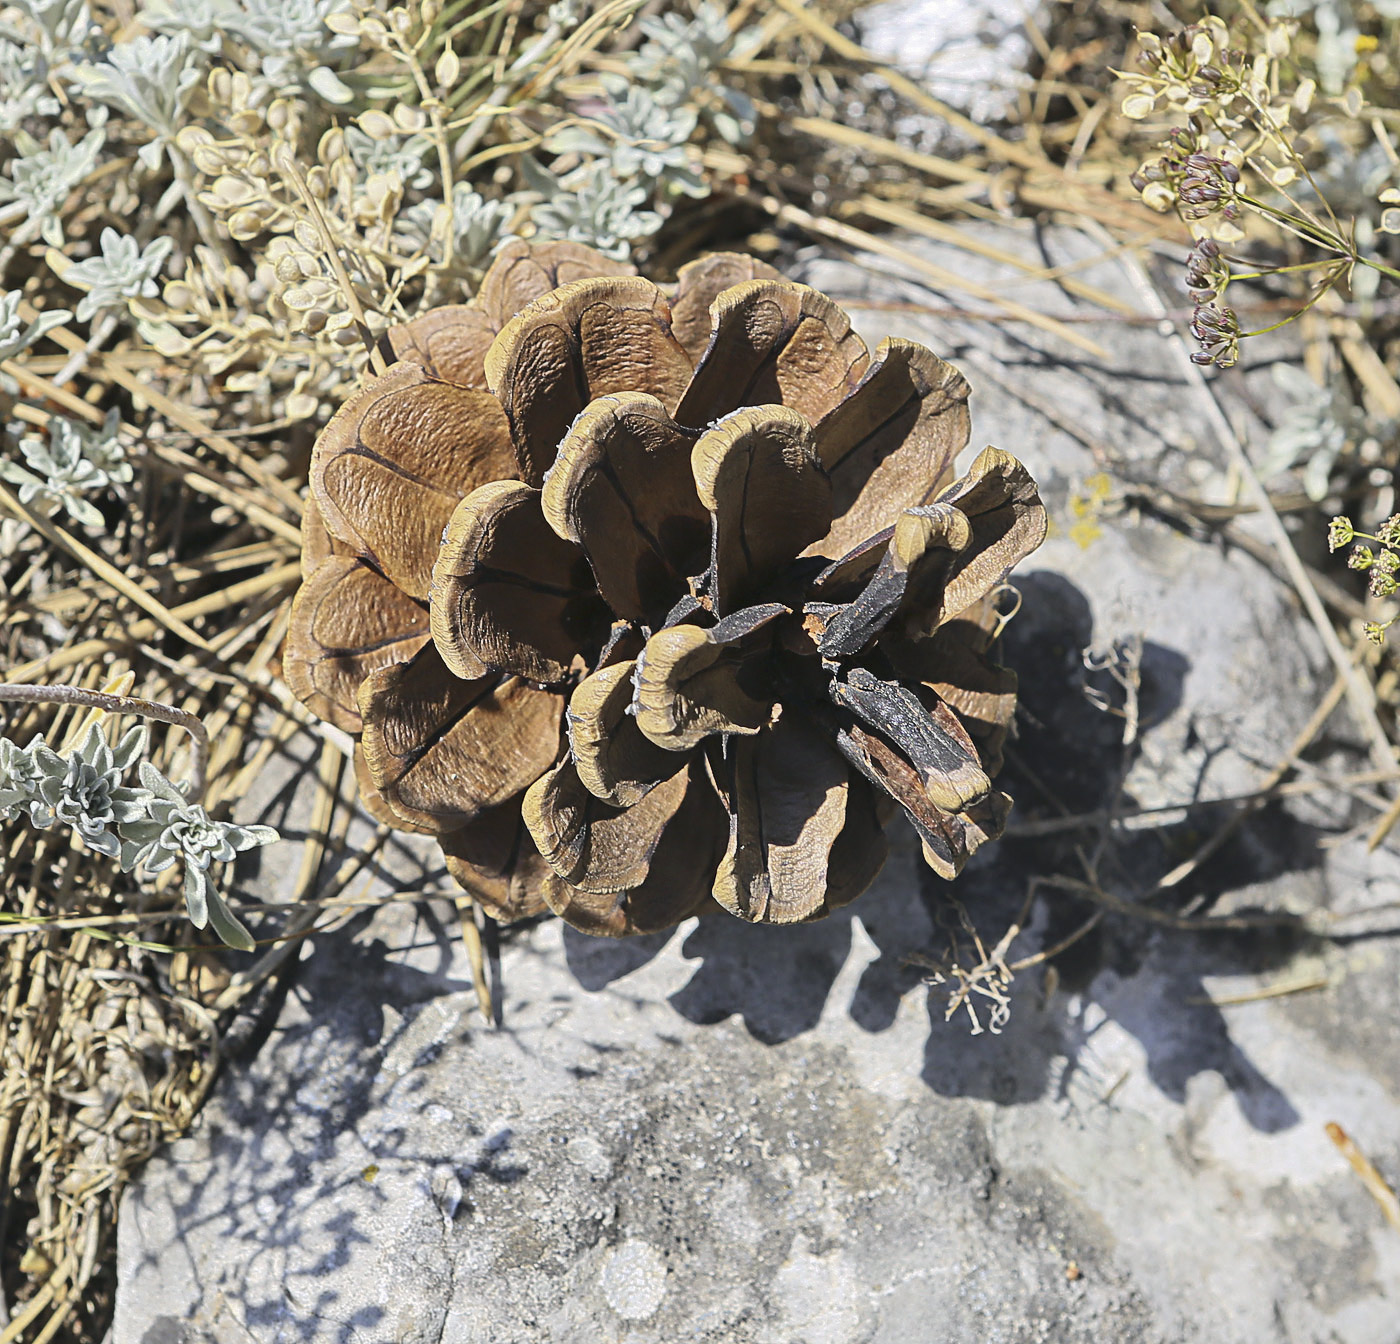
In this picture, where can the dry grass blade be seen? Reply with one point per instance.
(103, 569)
(1358, 693)
(1306, 985)
(468, 915)
(904, 218)
(1376, 1184)
(939, 275)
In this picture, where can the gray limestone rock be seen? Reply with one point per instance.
(735, 1134)
(973, 54)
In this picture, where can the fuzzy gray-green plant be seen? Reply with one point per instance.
(151, 825)
(60, 26)
(173, 829)
(148, 78)
(24, 86)
(641, 140)
(17, 335)
(293, 42)
(19, 777)
(124, 270)
(401, 154)
(43, 176)
(478, 225)
(680, 62)
(591, 206)
(75, 462)
(83, 790)
(202, 21)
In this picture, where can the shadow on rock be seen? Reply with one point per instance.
(1146, 977)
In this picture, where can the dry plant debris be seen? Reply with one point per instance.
(638, 602)
(207, 207)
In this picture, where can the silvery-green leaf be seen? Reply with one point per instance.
(197, 896)
(574, 140)
(130, 746)
(160, 859)
(537, 177)
(729, 128)
(104, 842)
(46, 759)
(94, 750)
(159, 785)
(125, 811)
(141, 830)
(248, 837)
(84, 512)
(226, 924)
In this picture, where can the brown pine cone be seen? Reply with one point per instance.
(637, 602)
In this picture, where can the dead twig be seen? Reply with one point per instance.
(1376, 1184)
(123, 704)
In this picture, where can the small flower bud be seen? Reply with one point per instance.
(1339, 533)
(1361, 558)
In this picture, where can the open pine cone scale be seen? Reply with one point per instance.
(640, 601)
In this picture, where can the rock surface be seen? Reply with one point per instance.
(972, 54)
(773, 1136)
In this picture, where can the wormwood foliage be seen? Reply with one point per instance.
(151, 826)
(72, 464)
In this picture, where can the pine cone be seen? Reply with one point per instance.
(636, 603)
